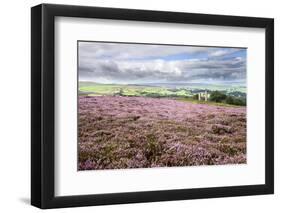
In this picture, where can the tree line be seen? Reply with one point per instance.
(220, 97)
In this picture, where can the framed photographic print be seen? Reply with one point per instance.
(139, 106)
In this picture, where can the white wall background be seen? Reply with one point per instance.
(15, 105)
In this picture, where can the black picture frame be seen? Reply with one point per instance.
(43, 102)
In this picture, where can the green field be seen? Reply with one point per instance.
(90, 88)
(180, 92)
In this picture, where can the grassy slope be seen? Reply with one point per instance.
(128, 90)
(95, 89)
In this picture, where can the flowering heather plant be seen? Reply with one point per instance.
(141, 132)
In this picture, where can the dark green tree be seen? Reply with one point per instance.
(217, 96)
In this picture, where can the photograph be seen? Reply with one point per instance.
(170, 104)
(160, 105)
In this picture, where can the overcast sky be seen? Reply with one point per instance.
(142, 63)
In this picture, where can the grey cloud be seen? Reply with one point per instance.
(118, 64)
(100, 50)
(180, 71)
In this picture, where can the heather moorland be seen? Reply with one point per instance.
(118, 132)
